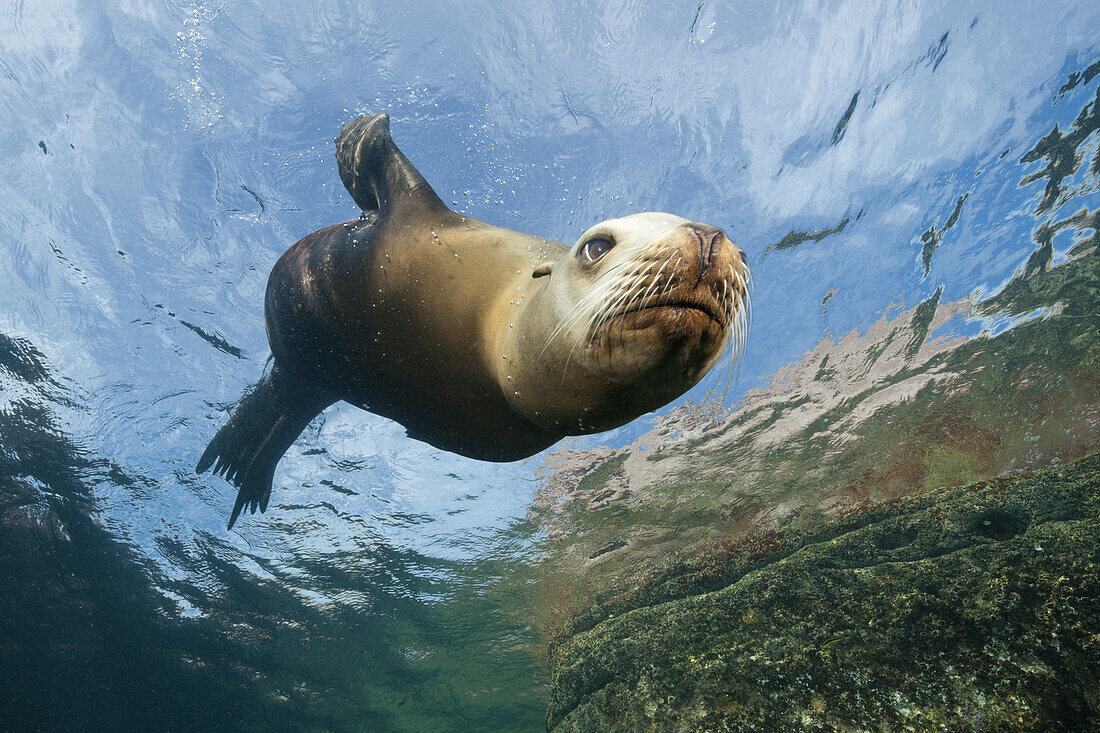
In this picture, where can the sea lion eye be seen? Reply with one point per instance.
(593, 249)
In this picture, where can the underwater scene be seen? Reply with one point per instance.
(874, 507)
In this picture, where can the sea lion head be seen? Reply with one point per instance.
(648, 301)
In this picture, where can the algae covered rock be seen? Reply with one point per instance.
(971, 609)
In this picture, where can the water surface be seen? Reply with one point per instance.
(160, 155)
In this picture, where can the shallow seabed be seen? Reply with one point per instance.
(872, 159)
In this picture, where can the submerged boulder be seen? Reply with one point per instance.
(975, 609)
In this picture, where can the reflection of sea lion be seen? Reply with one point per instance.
(439, 322)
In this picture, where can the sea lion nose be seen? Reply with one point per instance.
(710, 243)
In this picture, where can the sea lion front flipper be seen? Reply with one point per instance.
(378, 175)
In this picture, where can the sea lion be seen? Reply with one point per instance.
(482, 341)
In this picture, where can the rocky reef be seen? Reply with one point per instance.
(897, 532)
(972, 609)
(935, 395)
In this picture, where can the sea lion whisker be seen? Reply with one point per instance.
(653, 281)
(672, 277)
(738, 277)
(656, 282)
(744, 322)
(579, 312)
(621, 304)
(670, 283)
(738, 333)
(612, 308)
(604, 288)
(643, 296)
(604, 313)
(748, 303)
(671, 280)
(612, 291)
(733, 365)
(645, 299)
(611, 304)
(744, 332)
(734, 298)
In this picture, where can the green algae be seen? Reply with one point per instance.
(795, 238)
(824, 373)
(599, 475)
(933, 236)
(973, 609)
(922, 319)
(842, 126)
(1063, 155)
(1077, 78)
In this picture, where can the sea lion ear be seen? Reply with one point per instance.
(378, 175)
(542, 270)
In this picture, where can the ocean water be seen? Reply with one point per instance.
(160, 155)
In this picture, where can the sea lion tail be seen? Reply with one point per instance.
(248, 446)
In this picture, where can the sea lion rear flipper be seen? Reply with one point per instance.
(267, 421)
(378, 175)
